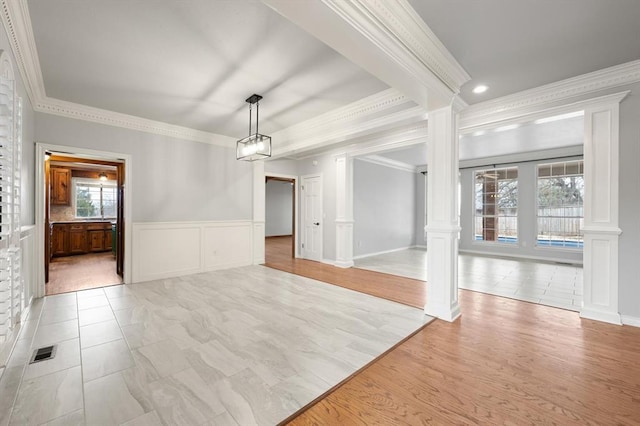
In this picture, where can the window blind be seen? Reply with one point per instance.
(10, 178)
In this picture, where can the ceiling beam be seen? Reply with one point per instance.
(386, 38)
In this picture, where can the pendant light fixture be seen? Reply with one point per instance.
(255, 146)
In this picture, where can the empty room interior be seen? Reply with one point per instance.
(319, 212)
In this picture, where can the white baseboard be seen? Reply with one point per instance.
(362, 256)
(629, 320)
(521, 256)
(171, 249)
(342, 264)
(420, 246)
(594, 313)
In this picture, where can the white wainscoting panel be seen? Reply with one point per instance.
(227, 245)
(170, 249)
(28, 264)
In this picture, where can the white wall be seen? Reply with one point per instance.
(279, 208)
(384, 208)
(421, 204)
(281, 166)
(173, 179)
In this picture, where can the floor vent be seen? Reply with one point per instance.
(43, 354)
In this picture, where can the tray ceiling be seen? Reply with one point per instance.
(191, 63)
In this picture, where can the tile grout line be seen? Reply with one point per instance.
(24, 366)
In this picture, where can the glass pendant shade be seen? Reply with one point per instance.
(255, 146)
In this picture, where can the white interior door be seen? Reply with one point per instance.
(312, 217)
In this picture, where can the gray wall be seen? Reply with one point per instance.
(384, 208)
(281, 166)
(279, 208)
(629, 258)
(527, 220)
(173, 179)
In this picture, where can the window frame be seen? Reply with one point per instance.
(580, 243)
(497, 242)
(92, 182)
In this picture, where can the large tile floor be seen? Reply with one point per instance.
(242, 346)
(550, 284)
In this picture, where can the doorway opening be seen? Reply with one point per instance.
(280, 218)
(84, 222)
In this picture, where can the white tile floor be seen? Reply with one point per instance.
(551, 284)
(237, 347)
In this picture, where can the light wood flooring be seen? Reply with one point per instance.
(399, 289)
(503, 361)
(82, 272)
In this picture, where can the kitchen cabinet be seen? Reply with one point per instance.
(80, 238)
(59, 240)
(77, 239)
(96, 240)
(60, 186)
(99, 235)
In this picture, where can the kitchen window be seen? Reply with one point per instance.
(94, 198)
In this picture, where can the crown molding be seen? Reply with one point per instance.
(388, 162)
(110, 118)
(383, 141)
(413, 33)
(547, 96)
(395, 28)
(17, 25)
(373, 114)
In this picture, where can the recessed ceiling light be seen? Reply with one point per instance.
(480, 88)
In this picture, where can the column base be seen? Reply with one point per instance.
(600, 315)
(343, 264)
(445, 313)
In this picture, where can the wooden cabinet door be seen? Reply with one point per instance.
(77, 241)
(108, 239)
(59, 240)
(96, 240)
(60, 186)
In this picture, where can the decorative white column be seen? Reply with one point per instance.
(442, 215)
(601, 231)
(344, 211)
(259, 190)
